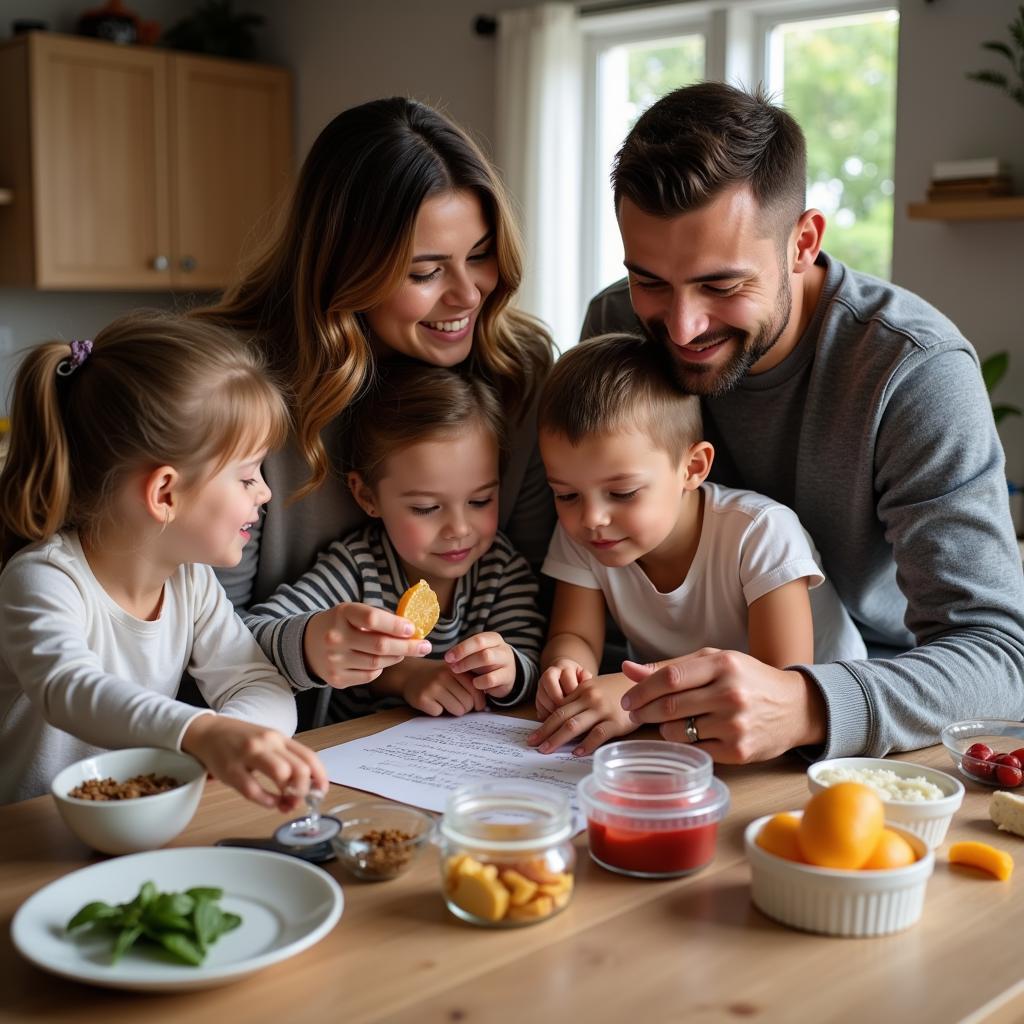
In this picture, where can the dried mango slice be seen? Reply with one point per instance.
(539, 906)
(521, 889)
(481, 896)
(419, 605)
(981, 855)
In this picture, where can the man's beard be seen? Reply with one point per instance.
(712, 381)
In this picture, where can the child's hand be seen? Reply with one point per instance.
(433, 688)
(353, 643)
(557, 681)
(594, 705)
(487, 660)
(234, 751)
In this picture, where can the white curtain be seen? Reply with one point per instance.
(538, 149)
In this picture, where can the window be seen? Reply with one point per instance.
(832, 63)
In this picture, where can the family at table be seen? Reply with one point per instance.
(778, 477)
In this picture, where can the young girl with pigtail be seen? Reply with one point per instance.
(134, 465)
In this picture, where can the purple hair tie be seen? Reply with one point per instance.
(80, 350)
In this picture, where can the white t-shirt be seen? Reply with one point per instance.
(79, 674)
(749, 545)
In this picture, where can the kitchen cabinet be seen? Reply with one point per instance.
(135, 168)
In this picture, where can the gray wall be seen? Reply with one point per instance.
(971, 271)
(346, 51)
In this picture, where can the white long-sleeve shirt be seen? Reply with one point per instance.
(79, 674)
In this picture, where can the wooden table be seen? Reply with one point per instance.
(690, 949)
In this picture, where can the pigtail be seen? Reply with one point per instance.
(35, 484)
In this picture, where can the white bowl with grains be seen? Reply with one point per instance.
(921, 800)
(126, 801)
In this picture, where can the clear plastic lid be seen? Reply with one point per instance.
(654, 784)
(507, 816)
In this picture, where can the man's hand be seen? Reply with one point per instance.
(353, 643)
(744, 710)
(595, 705)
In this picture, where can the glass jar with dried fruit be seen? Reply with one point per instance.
(506, 854)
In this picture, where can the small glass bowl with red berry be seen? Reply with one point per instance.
(987, 750)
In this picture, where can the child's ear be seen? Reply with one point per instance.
(162, 493)
(363, 495)
(697, 464)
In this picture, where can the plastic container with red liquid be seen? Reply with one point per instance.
(653, 808)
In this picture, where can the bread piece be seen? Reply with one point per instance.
(1007, 811)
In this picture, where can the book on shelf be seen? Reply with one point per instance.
(971, 188)
(980, 167)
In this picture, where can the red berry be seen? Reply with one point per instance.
(979, 769)
(982, 751)
(1019, 754)
(1007, 770)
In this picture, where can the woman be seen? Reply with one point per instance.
(399, 240)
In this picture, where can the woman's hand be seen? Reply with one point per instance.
(353, 643)
(595, 705)
(247, 757)
(487, 660)
(557, 681)
(743, 710)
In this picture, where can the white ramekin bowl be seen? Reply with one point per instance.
(928, 819)
(130, 826)
(855, 904)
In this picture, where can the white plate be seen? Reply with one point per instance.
(286, 905)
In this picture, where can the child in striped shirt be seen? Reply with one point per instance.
(424, 452)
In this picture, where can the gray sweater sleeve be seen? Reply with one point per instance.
(940, 494)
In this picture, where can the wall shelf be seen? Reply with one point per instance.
(1000, 208)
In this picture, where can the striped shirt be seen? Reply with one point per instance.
(498, 594)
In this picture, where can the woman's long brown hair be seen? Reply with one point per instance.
(345, 246)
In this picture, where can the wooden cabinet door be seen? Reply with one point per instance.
(231, 146)
(99, 134)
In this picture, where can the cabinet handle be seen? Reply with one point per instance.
(188, 263)
(161, 262)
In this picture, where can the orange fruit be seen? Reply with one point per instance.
(778, 835)
(841, 826)
(892, 851)
(419, 605)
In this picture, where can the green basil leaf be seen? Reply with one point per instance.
(207, 920)
(147, 894)
(124, 941)
(204, 892)
(93, 912)
(229, 921)
(182, 947)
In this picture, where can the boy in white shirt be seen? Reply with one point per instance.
(680, 564)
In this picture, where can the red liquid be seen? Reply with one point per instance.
(653, 853)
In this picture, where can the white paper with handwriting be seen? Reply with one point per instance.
(421, 761)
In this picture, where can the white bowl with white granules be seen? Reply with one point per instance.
(921, 800)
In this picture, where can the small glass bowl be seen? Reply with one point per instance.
(1001, 735)
(378, 839)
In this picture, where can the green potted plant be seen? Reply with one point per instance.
(993, 369)
(1012, 82)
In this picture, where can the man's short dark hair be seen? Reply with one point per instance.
(699, 141)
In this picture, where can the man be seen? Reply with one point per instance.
(847, 398)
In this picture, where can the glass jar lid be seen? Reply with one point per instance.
(660, 783)
(510, 815)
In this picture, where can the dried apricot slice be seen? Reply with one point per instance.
(891, 851)
(779, 835)
(981, 855)
(419, 605)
